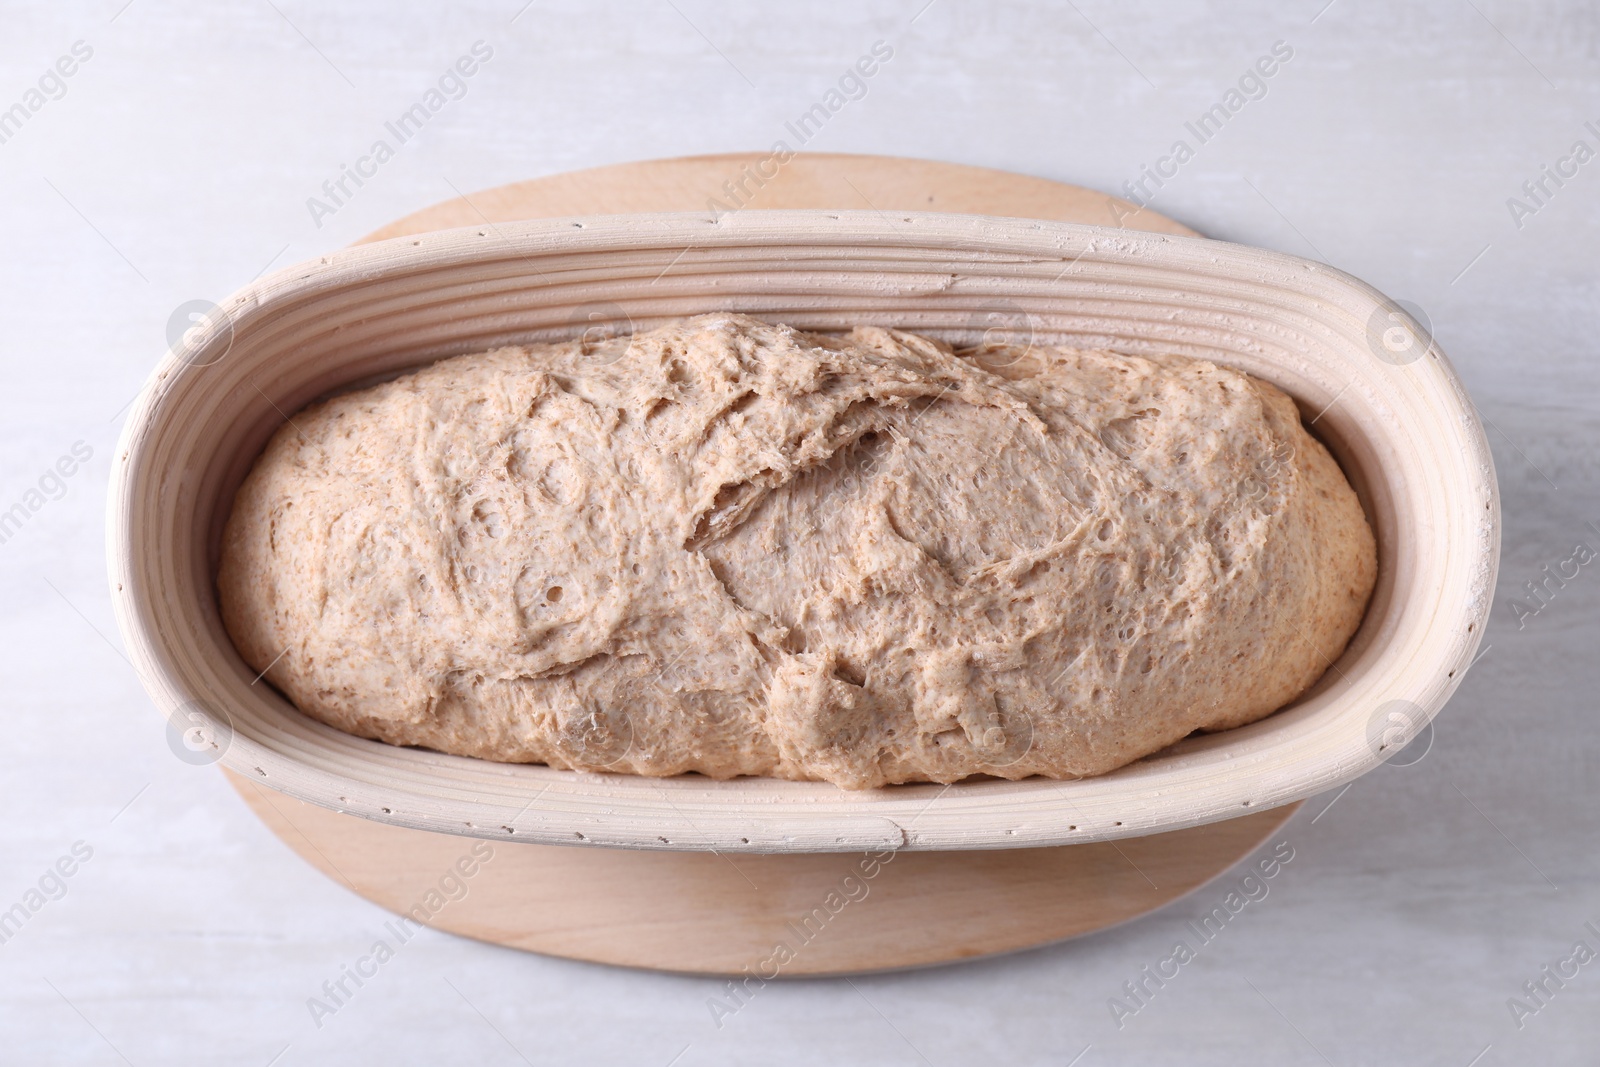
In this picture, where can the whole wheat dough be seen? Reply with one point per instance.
(730, 547)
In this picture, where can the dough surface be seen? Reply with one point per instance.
(730, 547)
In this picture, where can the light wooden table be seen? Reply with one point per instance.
(709, 912)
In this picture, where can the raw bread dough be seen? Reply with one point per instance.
(734, 548)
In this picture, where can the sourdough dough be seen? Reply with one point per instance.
(734, 548)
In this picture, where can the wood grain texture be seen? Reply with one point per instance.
(709, 913)
(1405, 432)
(820, 180)
(713, 913)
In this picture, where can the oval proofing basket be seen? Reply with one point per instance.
(1398, 420)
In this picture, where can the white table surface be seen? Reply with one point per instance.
(176, 166)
